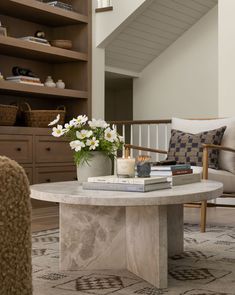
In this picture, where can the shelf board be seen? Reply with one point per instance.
(39, 12)
(29, 50)
(104, 9)
(12, 88)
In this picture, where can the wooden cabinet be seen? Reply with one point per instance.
(44, 158)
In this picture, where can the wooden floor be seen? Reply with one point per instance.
(48, 218)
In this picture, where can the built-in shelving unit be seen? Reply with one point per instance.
(23, 18)
(43, 157)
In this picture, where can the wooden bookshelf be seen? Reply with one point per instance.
(20, 89)
(42, 13)
(23, 18)
(29, 50)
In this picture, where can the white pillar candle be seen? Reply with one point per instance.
(125, 167)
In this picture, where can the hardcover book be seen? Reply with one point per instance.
(133, 180)
(126, 187)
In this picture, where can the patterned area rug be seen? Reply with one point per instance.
(206, 267)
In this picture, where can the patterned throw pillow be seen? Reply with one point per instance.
(186, 148)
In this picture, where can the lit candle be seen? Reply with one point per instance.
(126, 167)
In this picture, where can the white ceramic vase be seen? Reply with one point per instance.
(98, 165)
(49, 82)
(60, 84)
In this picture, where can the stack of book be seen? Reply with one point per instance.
(178, 174)
(60, 4)
(25, 80)
(114, 183)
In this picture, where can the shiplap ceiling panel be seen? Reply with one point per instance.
(152, 31)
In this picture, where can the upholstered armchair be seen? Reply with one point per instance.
(15, 231)
(226, 160)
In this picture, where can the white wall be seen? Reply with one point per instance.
(98, 72)
(226, 58)
(183, 80)
(107, 22)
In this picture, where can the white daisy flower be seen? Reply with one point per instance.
(55, 121)
(84, 134)
(67, 127)
(80, 120)
(77, 145)
(58, 131)
(110, 135)
(121, 138)
(98, 124)
(92, 143)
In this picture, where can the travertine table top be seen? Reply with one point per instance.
(72, 193)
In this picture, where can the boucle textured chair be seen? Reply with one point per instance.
(15, 231)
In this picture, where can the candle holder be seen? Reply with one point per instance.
(143, 166)
(126, 167)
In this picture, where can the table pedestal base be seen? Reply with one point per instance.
(135, 238)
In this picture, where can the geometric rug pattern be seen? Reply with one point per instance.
(207, 267)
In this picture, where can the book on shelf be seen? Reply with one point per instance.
(36, 40)
(132, 180)
(23, 78)
(27, 83)
(126, 187)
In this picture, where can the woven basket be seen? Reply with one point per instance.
(8, 114)
(41, 118)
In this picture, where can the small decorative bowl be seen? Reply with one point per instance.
(65, 44)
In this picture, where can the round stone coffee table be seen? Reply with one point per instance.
(122, 230)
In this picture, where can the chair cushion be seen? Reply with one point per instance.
(226, 159)
(227, 178)
(186, 148)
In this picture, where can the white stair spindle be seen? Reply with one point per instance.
(157, 142)
(140, 137)
(131, 140)
(148, 138)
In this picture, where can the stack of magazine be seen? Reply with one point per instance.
(114, 183)
(179, 174)
(25, 80)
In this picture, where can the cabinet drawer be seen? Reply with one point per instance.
(52, 150)
(17, 147)
(55, 174)
(29, 173)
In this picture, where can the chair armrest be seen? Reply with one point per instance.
(128, 147)
(218, 147)
(206, 148)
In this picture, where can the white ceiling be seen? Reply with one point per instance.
(152, 31)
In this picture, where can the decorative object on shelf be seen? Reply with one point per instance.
(59, 4)
(50, 82)
(40, 34)
(94, 143)
(65, 44)
(36, 40)
(41, 118)
(8, 114)
(60, 84)
(125, 167)
(1, 76)
(143, 166)
(18, 71)
(103, 3)
(25, 80)
(3, 30)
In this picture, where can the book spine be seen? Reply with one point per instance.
(180, 167)
(181, 172)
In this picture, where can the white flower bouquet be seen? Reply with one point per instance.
(88, 136)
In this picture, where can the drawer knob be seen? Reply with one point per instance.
(48, 180)
(48, 149)
(18, 149)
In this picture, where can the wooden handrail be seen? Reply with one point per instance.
(140, 148)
